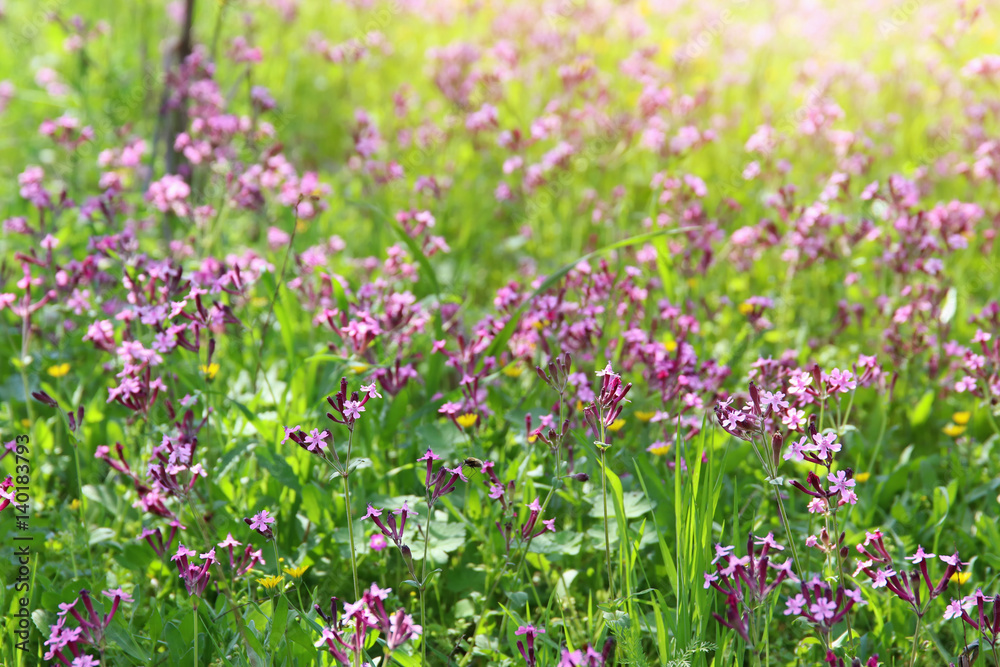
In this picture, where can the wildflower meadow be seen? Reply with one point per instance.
(526, 333)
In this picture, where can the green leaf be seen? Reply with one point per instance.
(253, 639)
(567, 543)
(279, 469)
(922, 410)
(98, 535)
(278, 623)
(125, 640)
(635, 504)
(446, 538)
(949, 306)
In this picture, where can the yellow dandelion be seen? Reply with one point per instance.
(25, 424)
(617, 425)
(670, 345)
(296, 572)
(467, 420)
(210, 370)
(300, 226)
(58, 370)
(745, 308)
(863, 476)
(513, 371)
(961, 418)
(644, 416)
(270, 582)
(960, 577)
(74, 504)
(659, 448)
(579, 406)
(953, 430)
(358, 368)
(532, 438)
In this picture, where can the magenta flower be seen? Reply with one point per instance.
(527, 648)
(261, 523)
(377, 542)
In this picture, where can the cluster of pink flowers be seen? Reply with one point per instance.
(66, 644)
(344, 633)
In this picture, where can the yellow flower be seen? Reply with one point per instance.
(659, 448)
(616, 425)
(960, 577)
(532, 438)
(296, 572)
(670, 345)
(270, 582)
(74, 504)
(863, 476)
(745, 308)
(58, 370)
(25, 424)
(512, 371)
(358, 367)
(644, 416)
(953, 430)
(466, 420)
(300, 226)
(258, 301)
(961, 418)
(210, 371)
(579, 406)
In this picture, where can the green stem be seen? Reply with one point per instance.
(196, 632)
(916, 640)
(604, 493)
(83, 518)
(843, 580)
(788, 533)
(350, 525)
(423, 583)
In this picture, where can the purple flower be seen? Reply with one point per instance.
(261, 523)
(920, 556)
(353, 409)
(527, 648)
(795, 605)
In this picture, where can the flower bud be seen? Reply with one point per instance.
(776, 441)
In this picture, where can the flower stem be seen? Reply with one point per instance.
(916, 640)
(196, 632)
(350, 525)
(423, 583)
(604, 493)
(843, 580)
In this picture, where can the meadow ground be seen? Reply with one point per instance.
(556, 333)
